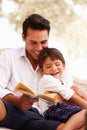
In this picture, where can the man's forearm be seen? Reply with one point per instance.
(12, 99)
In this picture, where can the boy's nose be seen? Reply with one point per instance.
(54, 68)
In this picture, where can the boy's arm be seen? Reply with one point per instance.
(79, 92)
(77, 100)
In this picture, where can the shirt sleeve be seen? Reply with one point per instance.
(4, 92)
(49, 83)
(5, 74)
(67, 78)
(66, 93)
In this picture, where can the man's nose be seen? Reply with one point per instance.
(39, 46)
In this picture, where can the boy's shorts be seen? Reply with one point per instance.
(61, 112)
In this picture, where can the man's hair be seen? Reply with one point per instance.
(36, 22)
(52, 53)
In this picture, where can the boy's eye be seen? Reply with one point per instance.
(57, 64)
(48, 66)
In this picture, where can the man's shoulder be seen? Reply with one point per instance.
(13, 51)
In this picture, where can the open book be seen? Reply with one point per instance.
(21, 88)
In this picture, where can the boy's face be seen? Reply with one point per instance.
(53, 67)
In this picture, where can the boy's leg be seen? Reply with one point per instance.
(77, 121)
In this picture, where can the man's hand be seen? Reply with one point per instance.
(25, 102)
(21, 102)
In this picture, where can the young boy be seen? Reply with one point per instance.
(52, 64)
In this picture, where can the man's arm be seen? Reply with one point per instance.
(21, 102)
(3, 111)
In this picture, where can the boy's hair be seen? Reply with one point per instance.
(52, 53)
(36, 22)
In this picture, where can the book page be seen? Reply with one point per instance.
(21, 88)
(24, 90)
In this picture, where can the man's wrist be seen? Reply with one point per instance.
(11, 99)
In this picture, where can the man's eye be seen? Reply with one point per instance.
(33, 42)
(44, 42)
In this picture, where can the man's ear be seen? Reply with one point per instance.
(23, 37)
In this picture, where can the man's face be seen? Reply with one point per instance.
(35, 41)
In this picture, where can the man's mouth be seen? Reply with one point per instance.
(37, 53)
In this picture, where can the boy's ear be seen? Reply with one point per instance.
(64, 66)
(41, 71)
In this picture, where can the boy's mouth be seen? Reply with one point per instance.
(55, 73)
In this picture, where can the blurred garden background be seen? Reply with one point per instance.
(68, 27)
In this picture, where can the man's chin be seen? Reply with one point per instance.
(36, 57)
(36, 60)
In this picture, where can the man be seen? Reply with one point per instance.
(21, 65)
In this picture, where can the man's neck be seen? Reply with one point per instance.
(33, 62)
